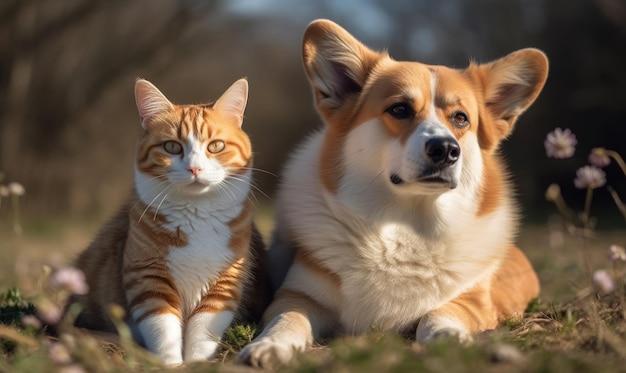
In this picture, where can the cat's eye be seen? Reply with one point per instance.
(173, 147)
(400, 110)
(216, 146)
(460, 119)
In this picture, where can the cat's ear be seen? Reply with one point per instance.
(233, 101)
(150, 101)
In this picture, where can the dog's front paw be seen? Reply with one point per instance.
(265, 353)
(439, 328)
(451, 334)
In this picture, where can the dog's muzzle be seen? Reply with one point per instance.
(441, 153)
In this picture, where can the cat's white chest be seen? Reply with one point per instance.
(196, 266)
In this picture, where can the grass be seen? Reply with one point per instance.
(569, 328)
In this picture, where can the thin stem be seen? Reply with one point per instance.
(618, 158)
(17, 227)
(618, 201)
(563, 208)
(586, 212)
(587, 209)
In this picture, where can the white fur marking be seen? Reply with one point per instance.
(162, 335)
(206, 255)
(203, 333)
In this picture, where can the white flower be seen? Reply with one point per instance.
(16, 189)
(560, 143)
(603, 281)
(617, 253)
(589, 177)
(71, 279)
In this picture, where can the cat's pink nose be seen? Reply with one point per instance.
(195, 170)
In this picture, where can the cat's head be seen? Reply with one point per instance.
(188, 151)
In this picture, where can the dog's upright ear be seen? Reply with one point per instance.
(510, 85)
(336, 64)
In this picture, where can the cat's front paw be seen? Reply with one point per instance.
(171, 360)
(200, 351)
(265, 353)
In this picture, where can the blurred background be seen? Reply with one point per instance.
(68, 122)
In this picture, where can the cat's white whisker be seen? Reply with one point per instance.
(150, 191)
(156, 211)
(256, 188)
(222, 187)
(152, 179)
(151, 202)
(259, 170)
(253, 186)
(252, 197)
(239, 179)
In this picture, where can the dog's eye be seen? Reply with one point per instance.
(400, 111)
(460, 119)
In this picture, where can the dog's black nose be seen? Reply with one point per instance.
(443, 151)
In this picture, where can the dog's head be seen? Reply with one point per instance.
(423, 129)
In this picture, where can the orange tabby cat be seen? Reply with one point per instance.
(180, 252)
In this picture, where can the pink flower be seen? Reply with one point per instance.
(617, 253)
(598, 158)
(31, 321)
(59, 353)
(72, 368)
(589, 177)
(560, 143)
(49, 313)
(71, 279)
(603, 281)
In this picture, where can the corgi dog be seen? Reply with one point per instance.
(397, 214)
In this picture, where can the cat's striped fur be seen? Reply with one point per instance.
(180, 253)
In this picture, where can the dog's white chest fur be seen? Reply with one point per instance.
(398, 276)
(394, 277)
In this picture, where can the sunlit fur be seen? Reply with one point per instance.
(179, 256)
(370, 233)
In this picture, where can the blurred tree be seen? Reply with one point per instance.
(57, 58)
(66, 72)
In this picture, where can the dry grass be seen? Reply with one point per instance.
(569, 329)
